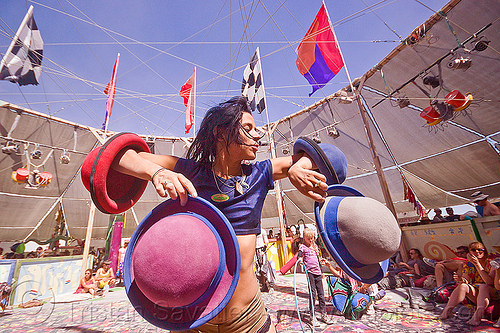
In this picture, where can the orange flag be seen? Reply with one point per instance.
(188, 92)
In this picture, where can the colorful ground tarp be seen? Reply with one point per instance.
(114, 313)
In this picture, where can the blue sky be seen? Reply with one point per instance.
(161, 41)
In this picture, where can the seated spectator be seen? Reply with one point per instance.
(39, 252)
(416, 265)
(270, 234)
(10, 255)
(415, 268)
(395, 259)
(444, 269)
(31, 255)
(370, 290)
(87, 284)
(473, 283)
(5, 291)
(425, 220)
(438, 217)
(451, 215)
(495, 265)
(481, 200)
(105, 276)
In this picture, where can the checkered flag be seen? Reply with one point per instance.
(22, 62)
(253, 85)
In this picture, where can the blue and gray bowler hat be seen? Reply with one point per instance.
(360, 233)
(329, 159)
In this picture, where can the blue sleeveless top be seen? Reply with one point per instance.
(242, 210)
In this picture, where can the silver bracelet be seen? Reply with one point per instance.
(154, 174)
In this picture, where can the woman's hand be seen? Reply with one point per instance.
(173, 184)
(473, 259)
(459, 279)
(307, 181)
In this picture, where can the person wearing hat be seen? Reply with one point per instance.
(216, 170)
(481, 200)
(438, 217)
(451, 215)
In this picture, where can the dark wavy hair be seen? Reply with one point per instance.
(222, 120)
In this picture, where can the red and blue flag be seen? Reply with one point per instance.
(318, 55)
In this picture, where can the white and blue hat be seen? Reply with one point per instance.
(329, 159)
(360, 233)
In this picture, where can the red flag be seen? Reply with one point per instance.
(188, 92)
(110, 91)
(318, 56)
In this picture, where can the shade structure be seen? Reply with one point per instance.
(443, 164)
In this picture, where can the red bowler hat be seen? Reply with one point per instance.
(431, 115)
(182, 264)
(113, 192)
(456, 99)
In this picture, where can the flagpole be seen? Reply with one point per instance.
(364, 117)
(277, 184)
(194, 104)
(23, 24)
(111, 95)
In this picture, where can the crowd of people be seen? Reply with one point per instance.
(473, 276)
(483, 208)
(40, 252)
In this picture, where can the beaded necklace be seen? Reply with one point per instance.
(238, 186)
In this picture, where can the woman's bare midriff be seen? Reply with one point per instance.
(247, 284)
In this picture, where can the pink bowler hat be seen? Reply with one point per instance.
(182, 264)
(360, 233)
(113, 192)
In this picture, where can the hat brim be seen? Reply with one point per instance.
(113, 192)
(480, 198)
(191, 316)
(468, 100)
(371, 273)
(314, 151)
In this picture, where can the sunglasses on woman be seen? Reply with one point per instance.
(478, 250)
(249, 135)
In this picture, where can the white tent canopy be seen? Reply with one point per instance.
(442, 164)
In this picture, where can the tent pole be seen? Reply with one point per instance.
(369, 137)
(277, 183)
(88, 237)
(279, 197)
(134, 215)
(43, 218)
(376, 161)
(373, 150)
